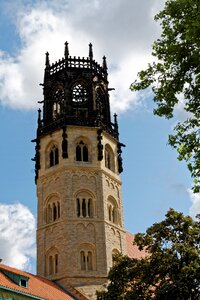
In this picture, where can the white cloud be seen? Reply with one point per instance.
(195, 199)
(123, 30)
(17, 235)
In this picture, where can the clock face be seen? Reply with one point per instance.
(79, 94)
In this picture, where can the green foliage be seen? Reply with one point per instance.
(176, 75)
(171, 269)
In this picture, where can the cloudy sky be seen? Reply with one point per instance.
(123, 30)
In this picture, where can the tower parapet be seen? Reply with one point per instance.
(76, 93)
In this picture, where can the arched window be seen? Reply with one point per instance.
(52, 265)
(84, 205)
(81, 152)
(52, 209)
(109, 158)
(87, 257)
(58, 100)
(80, 100)
(53, 156)
(113, 211)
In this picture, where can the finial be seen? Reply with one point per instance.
(115, 119)
(116, 125)
(47, 63)
(104, 63)
(90, 51)
(39, 117)
(66, 50)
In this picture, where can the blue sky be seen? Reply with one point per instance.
(153, 179)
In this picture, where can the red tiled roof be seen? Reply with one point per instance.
(132, 250)
(37, 286)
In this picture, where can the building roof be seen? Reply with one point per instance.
(37, 286)
(132, 250)
(43, 288)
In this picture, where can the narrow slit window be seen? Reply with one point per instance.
(54, 212)
(51, 158)
(109, 158)
(85, 153)
(50, 265)
(78, 207)
(84, 208)
(56, 263)
(83, 262)
(54, 157)
(78, 153)
(58, 205)
(89, 261)
(89, 207)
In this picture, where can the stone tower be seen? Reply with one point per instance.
(77, 164)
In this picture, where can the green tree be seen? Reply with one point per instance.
(175, 75)
(171, 269)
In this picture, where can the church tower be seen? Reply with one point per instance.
(77, 165)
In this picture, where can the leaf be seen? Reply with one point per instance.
(176, 71)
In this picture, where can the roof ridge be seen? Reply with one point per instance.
(72, 291)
